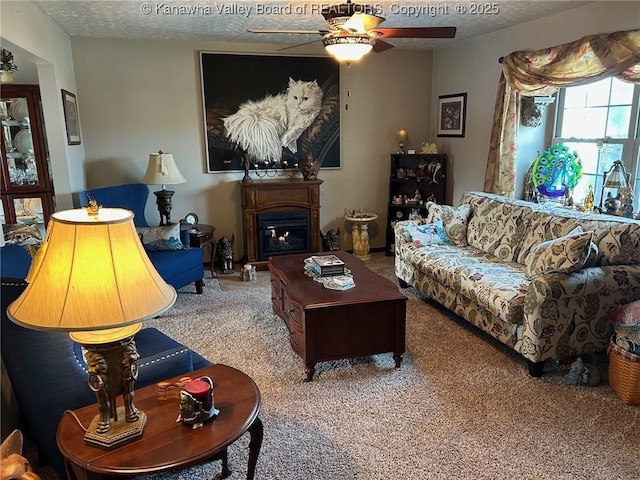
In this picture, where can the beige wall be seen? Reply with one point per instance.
(35, 38)
(473, 67)
(136, 97)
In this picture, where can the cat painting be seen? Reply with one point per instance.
(263, 127)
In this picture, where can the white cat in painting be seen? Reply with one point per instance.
(263, 127)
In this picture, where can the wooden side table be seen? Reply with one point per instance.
(166, 444)
(201, 235)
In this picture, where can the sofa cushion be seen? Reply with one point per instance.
(455, 220)
(156, 239)
(427, 234)
(498, 227)
(496, 286)
(561, 255)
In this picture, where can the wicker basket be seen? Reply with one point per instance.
(624, 374)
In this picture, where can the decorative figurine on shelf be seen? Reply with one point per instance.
(224, 250)
(421, 170)
(417, 197)
(309, 167)
(589, 200)
(331, 240)
(429, 148)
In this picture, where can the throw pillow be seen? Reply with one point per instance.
(455, 221)
(560, 255)
(157, 239)
(428, 234)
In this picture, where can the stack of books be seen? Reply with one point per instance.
(325, 265)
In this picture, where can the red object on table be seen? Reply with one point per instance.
(201, 391)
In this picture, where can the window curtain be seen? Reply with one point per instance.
(542, 72)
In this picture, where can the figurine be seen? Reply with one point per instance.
(588, 200)
(416, 196)
(627, 202)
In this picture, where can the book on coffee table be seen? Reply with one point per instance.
(327, 265)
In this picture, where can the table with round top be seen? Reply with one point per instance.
(166, 444)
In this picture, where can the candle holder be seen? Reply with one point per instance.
(196, 403)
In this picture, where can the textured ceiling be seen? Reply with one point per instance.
(221, 21)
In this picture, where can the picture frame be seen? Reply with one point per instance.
(255, 77)
(70, 106)
(452, 115)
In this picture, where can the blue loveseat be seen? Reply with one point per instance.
(177, 267)
(47, 370)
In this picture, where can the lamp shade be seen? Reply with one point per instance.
(348, 48)
(92, 273)
(617, 176)
(162, 170)
(401, 136)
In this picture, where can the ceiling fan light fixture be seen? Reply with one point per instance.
(349, 48)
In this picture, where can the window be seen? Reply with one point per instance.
(600, 120)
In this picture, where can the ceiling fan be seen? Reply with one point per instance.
(353, 31)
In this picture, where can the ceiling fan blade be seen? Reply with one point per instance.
(416, 32)
(298, 45)
(362, 22)
(381, 46)
(306, 32)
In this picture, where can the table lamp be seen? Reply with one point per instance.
(615, 178)
(92, 278)
(401, 137)
(162, 170)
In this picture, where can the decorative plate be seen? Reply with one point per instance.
(555, 170)
(191, 218)
(399, 214)
(23, 141)
(19, 109)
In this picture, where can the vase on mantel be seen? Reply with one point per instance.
(309, 167)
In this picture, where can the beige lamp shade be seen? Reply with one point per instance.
(401, 136)
(162, 170)
(92, 273)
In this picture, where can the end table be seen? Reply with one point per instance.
(166, 444)
(201, 235)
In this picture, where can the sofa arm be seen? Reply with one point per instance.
(566, 314)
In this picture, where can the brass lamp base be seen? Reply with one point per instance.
(121, 432)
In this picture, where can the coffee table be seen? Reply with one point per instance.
(166, 444)
(327, 324)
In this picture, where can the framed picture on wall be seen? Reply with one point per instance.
(270, 109)
(71, 121)
(452, 115)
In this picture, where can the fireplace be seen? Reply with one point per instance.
(283, 233)
(286, 199)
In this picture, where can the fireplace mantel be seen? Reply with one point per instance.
(261, 196)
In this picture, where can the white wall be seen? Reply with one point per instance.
(34, 37)
(473, 67)
(136, 97)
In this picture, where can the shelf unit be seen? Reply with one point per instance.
(423, 174)
(27, 190)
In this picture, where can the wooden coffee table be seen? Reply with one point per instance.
(166, 444)
(330, 325)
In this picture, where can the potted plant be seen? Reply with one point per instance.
(7, 66)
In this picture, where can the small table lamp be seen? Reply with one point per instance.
(615, 178)
(162, 170)
(401, 137)
(92, 278)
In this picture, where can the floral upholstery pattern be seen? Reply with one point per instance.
(565, 254)
(455, 223)
(554, 315)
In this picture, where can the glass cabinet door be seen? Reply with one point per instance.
(27, 193)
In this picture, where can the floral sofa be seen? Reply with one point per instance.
(538, 278)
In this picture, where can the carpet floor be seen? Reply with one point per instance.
(461, 406)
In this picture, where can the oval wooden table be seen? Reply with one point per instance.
(166, 444)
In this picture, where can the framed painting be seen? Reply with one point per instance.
(70, 106)
(452, 115)
(269, 110)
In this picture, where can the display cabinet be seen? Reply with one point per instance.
(27, 190)
(414, 180)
